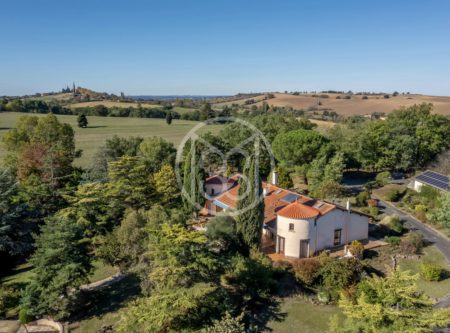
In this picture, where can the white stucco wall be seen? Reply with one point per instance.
(417, 185)
(292, 238)
(354, 227)
(218, 188)
(321, 233)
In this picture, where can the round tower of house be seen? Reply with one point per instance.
(295, 224)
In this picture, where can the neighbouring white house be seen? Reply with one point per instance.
(431, 178)
(298, 225)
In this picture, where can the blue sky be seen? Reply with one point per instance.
(225, 47)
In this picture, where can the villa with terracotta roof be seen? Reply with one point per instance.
(299, 226)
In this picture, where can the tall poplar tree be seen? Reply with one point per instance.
(250, 203)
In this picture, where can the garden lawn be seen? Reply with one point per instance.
(381, 258)
(431, 288)
(304, 317)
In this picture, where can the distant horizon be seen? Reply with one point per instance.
(135, 96)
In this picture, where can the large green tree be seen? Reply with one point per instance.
(391, 304)
(156, 152)
(129, 183)
(13, 239)
(40, 150)
(182, 295)
(298, 147)
(113, 149)
(61, 264)
(166, 185)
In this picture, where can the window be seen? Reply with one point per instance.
(212, 191)
(337, 237)
(291, 226)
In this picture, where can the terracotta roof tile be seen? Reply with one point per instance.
(273, 204)
(297, 210)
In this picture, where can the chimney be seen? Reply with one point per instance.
(266, 191)
(274, 178)
(348, 205)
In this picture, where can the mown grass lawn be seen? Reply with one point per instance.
(381, 259)
(104, 307)
(431, 288)
(102, 128)
(304, 317)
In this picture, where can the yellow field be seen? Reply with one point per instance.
(258, 98)
(109, 104)
(356, 105)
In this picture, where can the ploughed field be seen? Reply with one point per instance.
(101, 128)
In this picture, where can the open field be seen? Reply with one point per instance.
(57, 97)
(258, 98)
(356, 105)
(102, 128)
(110, 104)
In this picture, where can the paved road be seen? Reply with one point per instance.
(431, 235)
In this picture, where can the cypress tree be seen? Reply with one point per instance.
(194, 177)
(249, 222)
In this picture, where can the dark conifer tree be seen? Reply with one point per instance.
(82, 121)
(169, 117)
(194, 177)
(251, 204)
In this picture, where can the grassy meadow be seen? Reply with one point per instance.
(102, 128)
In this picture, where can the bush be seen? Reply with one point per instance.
(420, 211)
(338, 274)
(323, 297)
(307, 270)
(365, 97)
(395, 224)
(431, 271)
(393, 195)
(361, 198)
(9, 298)
(374, 211)
(383, 178)
(412, 243)
(24, 317)
(392, 240)
(357, 249)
